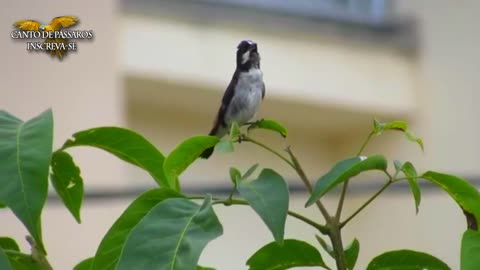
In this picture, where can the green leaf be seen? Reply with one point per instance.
(466, 195)
(204, 268)
(411, 137)
(7, 243)
(379, 128)
(343, 171)
(21, 261)
(225, 145)
(67, 182)
(235, 131)
(84, 265)
(469, 259)
(185, 154)
(326, 247)
(4, 262)
(409, 170)
(2, 205)
(406, 260)
(125, 144)
(171, 236)
(351, 254)
(235, 175)
(270, 125)
(25, 151)
(268, 196)
(109, 250)
(250, 171)
(293, 253)
(412, 177)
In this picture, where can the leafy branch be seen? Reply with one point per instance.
(332, 229)
(164, 227)
(231, 201)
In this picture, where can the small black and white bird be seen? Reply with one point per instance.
(243, 95)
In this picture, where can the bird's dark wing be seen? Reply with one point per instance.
(263, 90)
(227, 98)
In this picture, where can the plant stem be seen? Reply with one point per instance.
(248, 139)
(323, 229)
(38, 255)
(298, 168)
(394, 179)
(345, 185)
(338, 214)
(336, 239)
(390, 181)
(333, 226)
(332, 223)
(369, 137)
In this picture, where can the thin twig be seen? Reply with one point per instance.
(248, 139)
(342, 224)
(323, 229)
(295, 165)
(369, 137)
(298, 168)
(341, 201)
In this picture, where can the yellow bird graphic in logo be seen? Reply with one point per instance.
(56, 24)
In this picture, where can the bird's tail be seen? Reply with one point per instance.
(209, 151)
(59, 52)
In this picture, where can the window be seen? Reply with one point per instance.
(370, 12)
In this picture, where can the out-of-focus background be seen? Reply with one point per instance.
(330, 66)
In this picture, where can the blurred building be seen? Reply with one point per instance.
(331, 66)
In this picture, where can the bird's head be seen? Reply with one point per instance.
(46, 27)
(247, 55)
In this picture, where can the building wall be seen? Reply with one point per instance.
(83, 91)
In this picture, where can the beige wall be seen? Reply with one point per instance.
(163, 91)
(83, 91)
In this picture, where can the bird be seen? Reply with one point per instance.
(56, 24)
(243, 95)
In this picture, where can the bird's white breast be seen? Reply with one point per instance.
(247, 97)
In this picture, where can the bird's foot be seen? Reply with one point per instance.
(254, 124)
(241, 138)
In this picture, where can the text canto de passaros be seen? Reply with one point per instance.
(72, 34)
